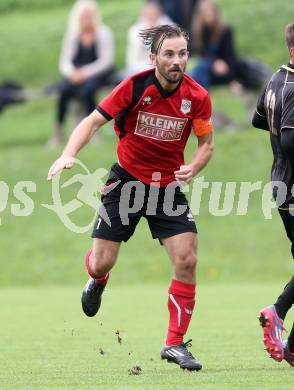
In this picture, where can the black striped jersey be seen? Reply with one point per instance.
(275, 112)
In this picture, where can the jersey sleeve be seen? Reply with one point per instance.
(259, 119)
(119, 99)
(287, 119)
(201, 123)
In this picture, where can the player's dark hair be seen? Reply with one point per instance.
(289, 35)
(154, 37)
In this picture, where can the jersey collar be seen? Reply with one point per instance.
(289, 67)
(164, 93)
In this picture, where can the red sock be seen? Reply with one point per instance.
(103, 279)
(181, 302)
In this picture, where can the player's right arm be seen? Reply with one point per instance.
(108, 108)
(79, 138)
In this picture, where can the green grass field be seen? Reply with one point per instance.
(46, 250)
(46, 341)
(52, 345)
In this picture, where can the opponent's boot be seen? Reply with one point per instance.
(288, 356)
(272, 326)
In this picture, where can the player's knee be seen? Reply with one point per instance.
(101, 262)
(187, 262)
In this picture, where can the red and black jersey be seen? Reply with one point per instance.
(153, 125)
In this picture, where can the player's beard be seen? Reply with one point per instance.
(170, 75)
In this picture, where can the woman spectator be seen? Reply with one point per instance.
(213, 41)
(86, 61)
(137, 55)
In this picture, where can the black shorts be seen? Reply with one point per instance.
(126, 200)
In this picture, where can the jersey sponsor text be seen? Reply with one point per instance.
(160, 127)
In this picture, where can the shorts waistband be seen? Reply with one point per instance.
(122, 172)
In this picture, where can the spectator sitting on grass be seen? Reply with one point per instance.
(137, 56)
(213, 41)
(86, 61)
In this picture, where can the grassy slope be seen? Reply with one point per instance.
(229, 247)
(47, 343)
(259, 26)
(42, 249)
(31, 48)
(31, 33)
(45, 340)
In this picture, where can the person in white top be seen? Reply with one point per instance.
(136, 52)
(86, 61)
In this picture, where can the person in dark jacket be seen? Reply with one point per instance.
(213, 41)
(180, 11)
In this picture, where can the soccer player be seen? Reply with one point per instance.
(154, 112)
(275, 113)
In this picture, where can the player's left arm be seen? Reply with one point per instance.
(200, 158)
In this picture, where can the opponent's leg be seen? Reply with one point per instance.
(99, 262)
(285, 300)
(181, 249)
(289, 348)
(271, 317)
(283, 304)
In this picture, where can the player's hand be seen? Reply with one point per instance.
(184, 174)
(59, 164)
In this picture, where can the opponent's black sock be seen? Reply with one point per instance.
(291, 340)
(285, 300)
